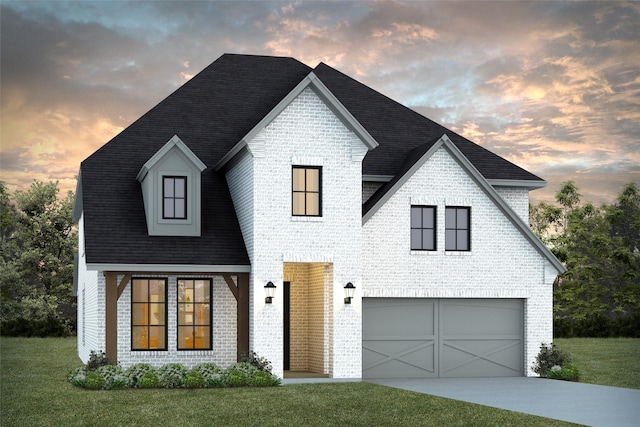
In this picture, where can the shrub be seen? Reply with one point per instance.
(259, 362)
(94, 380)
(114, 377)
(548, 357)
(568, 372)
(135, 373)
(264, 379)
(172, 375)
(235, 377)
(97, 360)
(212, 374)
(194, 379)
(78, 377)
(149, 380)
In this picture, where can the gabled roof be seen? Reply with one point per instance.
(176, 142)
(419, 156)
(214, 112)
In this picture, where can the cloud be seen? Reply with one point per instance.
(551, 86)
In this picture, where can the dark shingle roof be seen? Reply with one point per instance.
(213, 112)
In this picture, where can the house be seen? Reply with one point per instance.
(297, 213)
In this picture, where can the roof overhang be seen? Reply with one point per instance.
(170, 268)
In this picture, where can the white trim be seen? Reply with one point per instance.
(377, 178)
(171, 268)
(533, 185)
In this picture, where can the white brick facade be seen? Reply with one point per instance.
(501, 263)
(319, 255)
(305, 133)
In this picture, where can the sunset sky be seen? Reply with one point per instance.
(552, 86)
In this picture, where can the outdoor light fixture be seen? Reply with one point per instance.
(269, 292)
(349, 289)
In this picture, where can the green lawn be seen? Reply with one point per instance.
(605, 361)
(35, 392)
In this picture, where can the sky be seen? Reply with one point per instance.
(553, 87)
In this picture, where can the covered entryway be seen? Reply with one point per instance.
(426, 338)
(306, 327)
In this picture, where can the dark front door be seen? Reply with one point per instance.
(287, 322)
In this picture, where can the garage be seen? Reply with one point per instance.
(429, 338)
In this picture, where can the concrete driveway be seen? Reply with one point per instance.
(588, 404)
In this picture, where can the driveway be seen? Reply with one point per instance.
(587, 404)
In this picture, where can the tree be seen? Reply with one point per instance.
(38, 243)
(600, 248)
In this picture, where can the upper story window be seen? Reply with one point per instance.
(423, 228)
(174, 197)
(149, 314)
(457, 228)
(306, 191)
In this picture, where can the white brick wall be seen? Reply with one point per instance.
(91, 325)
(517, 198)
(224, 339)
(501, 264)
(305, 133)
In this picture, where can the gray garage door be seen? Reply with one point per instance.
(426, 338)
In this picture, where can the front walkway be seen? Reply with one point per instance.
(587, 404)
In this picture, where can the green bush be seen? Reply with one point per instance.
(598, 326)
(37, 316)
(548, 357)
(78, 377)
(236, 378)
(94, 380)
(172, 375)
(568, 372)
(264, 379)
(194, 379)
(114, 377)
(213, 375)
(149, 380)
(136, 372)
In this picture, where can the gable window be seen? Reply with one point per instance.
(423, 228)
(194, 314)
(306, 191)
(457, 228)
(149, 314)
(174, 197)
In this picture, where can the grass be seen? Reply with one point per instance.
(35, 392)
(605, 361)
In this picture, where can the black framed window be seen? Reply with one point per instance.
(174, 197)
(149, 314)
(423, 228)
(306, 191)
(457, 228)
(194, 314)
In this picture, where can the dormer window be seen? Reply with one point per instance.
(171, 182)
(174, 190)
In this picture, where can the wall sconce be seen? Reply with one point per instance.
(269, 292)
(349, 289)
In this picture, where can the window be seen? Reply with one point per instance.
(149, 314)
(457, 229)
(423, 228)
(194, 314)
(306, 191)
(174, 197)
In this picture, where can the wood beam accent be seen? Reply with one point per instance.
(123, 284)
(111, 316)
(232, 285)
(242, 325)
